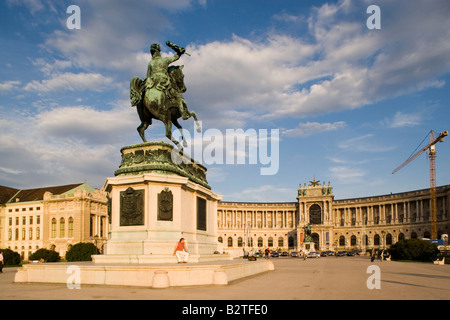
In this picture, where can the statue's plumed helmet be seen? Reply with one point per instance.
(155, 47)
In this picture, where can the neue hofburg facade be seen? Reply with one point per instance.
(58, 217)
(351, 224)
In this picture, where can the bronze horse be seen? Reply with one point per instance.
(163, 108)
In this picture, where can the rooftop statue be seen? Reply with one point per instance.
(159, 96)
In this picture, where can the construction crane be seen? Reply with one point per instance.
(432, 157)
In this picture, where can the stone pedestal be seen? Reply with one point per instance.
(155, 201)
(309, 246)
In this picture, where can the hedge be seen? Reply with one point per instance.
(81, 252)
(47, 255)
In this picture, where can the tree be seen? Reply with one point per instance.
(81, 252)
(10, 258)
(414, 249)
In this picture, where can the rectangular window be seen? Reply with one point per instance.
(201, 214)
(91, 225)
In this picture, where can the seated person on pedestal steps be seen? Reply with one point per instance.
(181, 251)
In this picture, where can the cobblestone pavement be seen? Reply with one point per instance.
(342, 278)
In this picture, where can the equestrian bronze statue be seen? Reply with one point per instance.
(159, 96)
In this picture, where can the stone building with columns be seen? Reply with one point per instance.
(349, 224)
(53, 218)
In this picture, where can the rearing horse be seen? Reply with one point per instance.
(161, 107)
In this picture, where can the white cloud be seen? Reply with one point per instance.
(342, 66)
(71, 82)
(364, 143)
(64, 144)
(9, 85)
(87, 124)
(347, 174)
(401, 120)
(113, 33)
(310, 128)
(264, 193)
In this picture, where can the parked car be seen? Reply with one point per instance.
(275, 254)
(341, 253)
(294, 254)
(350, 253)
(324, 253)
(284, 254)
(313, 255)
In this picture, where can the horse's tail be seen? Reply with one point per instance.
(137, 88)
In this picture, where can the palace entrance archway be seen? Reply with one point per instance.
(315, 214)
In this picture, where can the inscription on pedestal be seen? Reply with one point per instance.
(132, 207)
(165, 205)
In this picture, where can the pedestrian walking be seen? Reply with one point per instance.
(1, 261)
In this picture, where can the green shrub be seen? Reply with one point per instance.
(81, 252)
(414, 249)
(47, 255)
(10, 258)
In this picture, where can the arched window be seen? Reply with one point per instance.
(30, 233)
(376, 240)
(240, 242)
(53, 228)
(220, 239)
(427, 235)
(315, 214)
(38, 233)
(230, 242)
(270, 242)
(70, 227)
(388, 239)
(401, 237)
(353, 240)
(413, 235)
(342, 241)
(62, 228)
(291, 242)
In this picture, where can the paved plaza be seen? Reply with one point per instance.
(342, 278)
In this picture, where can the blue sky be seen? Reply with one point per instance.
(351, 104)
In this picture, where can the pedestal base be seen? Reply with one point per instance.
(154, 203)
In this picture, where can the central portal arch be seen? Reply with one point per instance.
(315, 214)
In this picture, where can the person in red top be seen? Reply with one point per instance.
(181, 251)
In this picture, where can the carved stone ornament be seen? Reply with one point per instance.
(132, 207)
(157, 157)
(165, 205)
